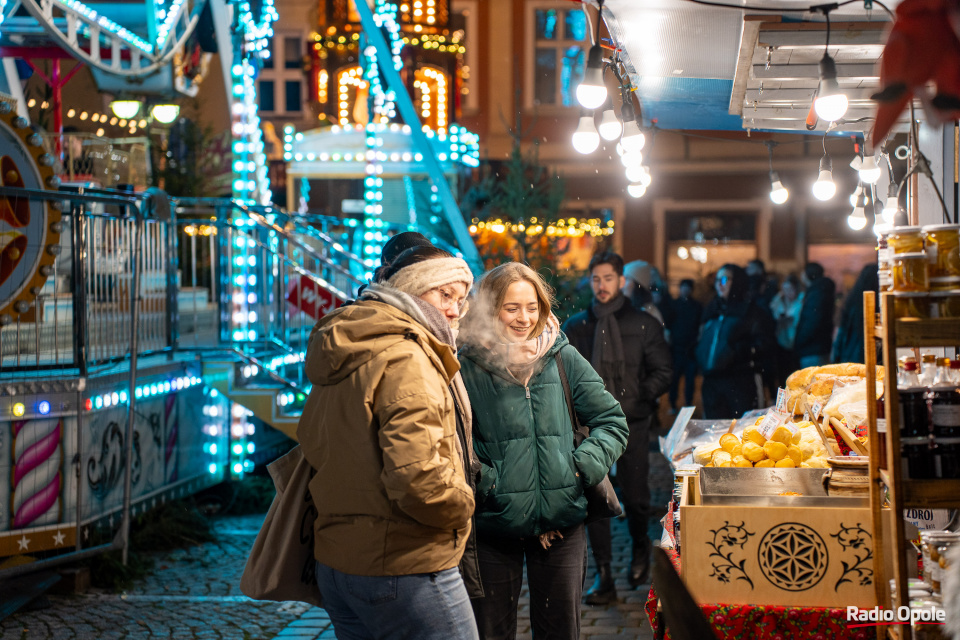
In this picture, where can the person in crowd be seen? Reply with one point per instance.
(786, 306)
(848, 347)
(814, 336)
(639, 277)
(380, 429)
(762, 287)
(627, 348)
(530, 495)
(735, 338)
(683, 333)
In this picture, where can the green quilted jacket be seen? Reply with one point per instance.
(532, 480)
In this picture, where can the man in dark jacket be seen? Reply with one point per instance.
(684, 329)
(815, 327)
(628, 350)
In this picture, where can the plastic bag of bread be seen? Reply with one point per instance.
(808, 386)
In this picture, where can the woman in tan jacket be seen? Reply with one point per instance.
(393, 507)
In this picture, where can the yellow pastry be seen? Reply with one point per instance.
(782, 434)
(719, 457)
(751, 434)
(775, 450)
(794, 453)
(785, 463)
(765, 463)
(753, 452)
(728, 442)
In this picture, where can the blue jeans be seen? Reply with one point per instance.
(423, 606)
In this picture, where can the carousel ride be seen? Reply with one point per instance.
(151, 346)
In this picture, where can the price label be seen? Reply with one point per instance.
(782, 401)
(769, 424)
(817, 409)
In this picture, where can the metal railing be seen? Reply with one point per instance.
(83, 314)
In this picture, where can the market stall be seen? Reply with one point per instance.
(771, 525)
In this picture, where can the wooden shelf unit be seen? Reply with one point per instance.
(903, 493)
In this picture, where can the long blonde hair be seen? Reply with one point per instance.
(491, 292)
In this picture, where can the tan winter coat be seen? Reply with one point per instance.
(380, 430)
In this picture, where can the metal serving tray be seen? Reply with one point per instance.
(761, 488)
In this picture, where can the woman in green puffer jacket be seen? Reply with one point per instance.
(530, 502)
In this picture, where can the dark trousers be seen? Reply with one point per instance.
(684, 366)
(728, 396)
(555, 577)
(633, 470)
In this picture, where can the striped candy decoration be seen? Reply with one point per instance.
(38, 458)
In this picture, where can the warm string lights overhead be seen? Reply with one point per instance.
(592, 96)
(569, 227)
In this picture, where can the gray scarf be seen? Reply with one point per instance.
(607, 356)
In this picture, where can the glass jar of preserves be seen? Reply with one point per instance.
(924, 618)
(929, 554)
(916, 456)
(905, 240)
(914, 416)
(912, 304)
(947, 460)
(911, 272)
(884, 262)
(939, 556)
(945, 410)
(943, 249)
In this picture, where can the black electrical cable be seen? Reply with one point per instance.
(806, 9)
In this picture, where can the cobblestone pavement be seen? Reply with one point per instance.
(195, 593)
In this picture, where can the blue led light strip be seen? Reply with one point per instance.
(106, 24)
(144, 391)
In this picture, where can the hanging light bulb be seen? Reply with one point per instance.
(633, 138)
(631, 158)
(857, 220)
(869, 170)
(636, 190)
(855, 196)
(610, 126)
(591, 93)
(778, 193)
(831, 104)
(635, 173)
(825, 188)
(647, 178)
(892, 205)
(585, 138)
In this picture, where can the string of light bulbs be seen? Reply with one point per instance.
(592, 96)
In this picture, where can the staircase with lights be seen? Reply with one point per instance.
(276, 274)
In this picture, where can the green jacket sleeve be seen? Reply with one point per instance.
(600, 413)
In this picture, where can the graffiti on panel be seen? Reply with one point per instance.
(105, 470)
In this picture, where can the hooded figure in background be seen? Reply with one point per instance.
(639, 279)
(735, 338)
(848, 347)
(814, 337)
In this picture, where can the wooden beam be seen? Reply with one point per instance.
(741, 76)
(793, 71)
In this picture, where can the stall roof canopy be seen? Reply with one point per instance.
(706, 67)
